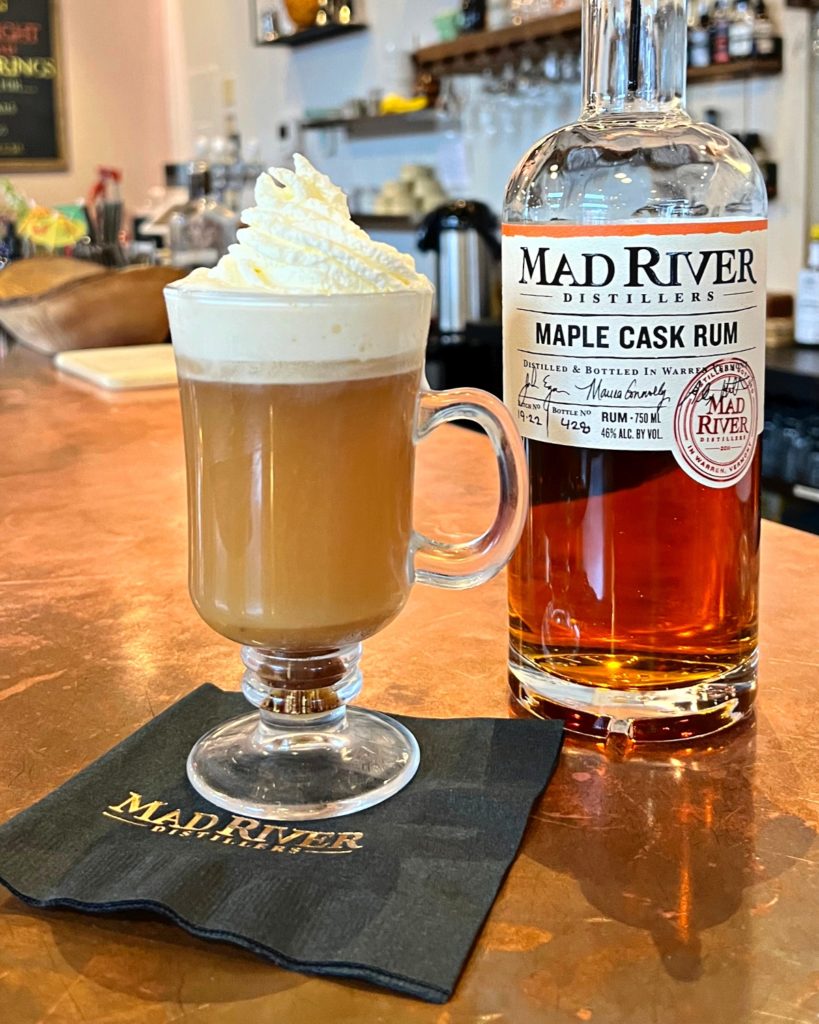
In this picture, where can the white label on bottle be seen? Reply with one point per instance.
(764, 43)
(640, 337)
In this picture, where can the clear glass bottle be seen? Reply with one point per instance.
(720, 29)
(498, 14)
(741, 31)
(202, 230)
(764, 31)
(473, 15)
(699, 38)
(633, 593)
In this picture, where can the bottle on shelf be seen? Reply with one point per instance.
(741, 31)
(806, 318)
(473, 15)
(498, 14)
(699, 37)
(222, 167)
(344, 12)
(202, 230)
(325, 13)
(720, 26)
(635, 372)
(764, 31)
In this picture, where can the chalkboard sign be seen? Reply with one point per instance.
(31, 127)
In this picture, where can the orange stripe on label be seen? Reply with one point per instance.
(690, 227)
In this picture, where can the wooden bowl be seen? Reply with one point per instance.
(95, 309)
(27, 278)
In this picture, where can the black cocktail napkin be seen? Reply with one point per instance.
(394, 895)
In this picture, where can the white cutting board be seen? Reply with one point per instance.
(118, 369)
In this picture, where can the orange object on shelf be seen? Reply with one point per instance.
(303, 12)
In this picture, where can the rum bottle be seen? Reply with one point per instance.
(634, 324)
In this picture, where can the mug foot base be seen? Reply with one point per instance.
(324, 768)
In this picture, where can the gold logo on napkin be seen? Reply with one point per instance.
(246, 833)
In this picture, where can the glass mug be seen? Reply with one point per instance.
(301, 415)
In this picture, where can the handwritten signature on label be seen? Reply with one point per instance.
(538, 399)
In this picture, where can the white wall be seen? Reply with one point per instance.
(276, 84)
(115, 94)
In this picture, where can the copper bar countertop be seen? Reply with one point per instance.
(674, 889)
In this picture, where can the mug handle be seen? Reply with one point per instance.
(470, 563)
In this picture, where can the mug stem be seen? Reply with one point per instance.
(287, 687)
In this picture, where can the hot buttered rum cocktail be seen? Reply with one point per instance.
(300, 359)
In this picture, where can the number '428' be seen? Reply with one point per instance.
(570, 424)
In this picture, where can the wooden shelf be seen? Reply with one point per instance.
(314, 34)
(485, 49)
(752, 67)
(384, 125)
(463, 52)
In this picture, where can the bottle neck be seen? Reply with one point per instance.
(199, 180)
(634, 57)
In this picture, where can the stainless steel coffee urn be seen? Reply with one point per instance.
(464, 235)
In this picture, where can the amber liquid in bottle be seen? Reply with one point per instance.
(630, 573)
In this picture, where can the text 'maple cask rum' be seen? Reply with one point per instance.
(634, 322)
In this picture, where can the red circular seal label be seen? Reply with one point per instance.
(715, 422)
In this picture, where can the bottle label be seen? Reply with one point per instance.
(740, 40)
(639, 337)
(764, 42)
(699, 48)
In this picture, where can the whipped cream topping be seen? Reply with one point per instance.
(300, 240)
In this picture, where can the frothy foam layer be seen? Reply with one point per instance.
(242, 337)
(292, 373)
(300, 240)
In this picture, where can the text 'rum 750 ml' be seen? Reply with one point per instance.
(634, 315)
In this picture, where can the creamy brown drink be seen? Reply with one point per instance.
(294, 543)
(300, 360)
